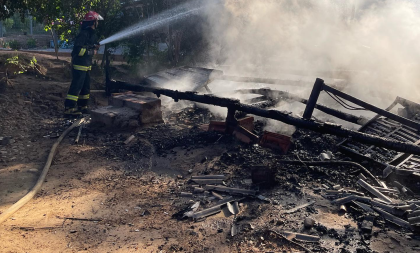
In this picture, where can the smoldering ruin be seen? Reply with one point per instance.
(299, 133)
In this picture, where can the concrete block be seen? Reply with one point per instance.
(113, 116)
(103, 115)
(152, 116)
(142, 103)
(117, 99)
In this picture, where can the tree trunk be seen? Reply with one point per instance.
(54, 37)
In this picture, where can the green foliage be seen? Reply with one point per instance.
(14, 44)
(33, 61)
(4, 44)
(31, 43)
(65, 16)
(9, 7)
(8, 23)
(134, 52)
(13, 60)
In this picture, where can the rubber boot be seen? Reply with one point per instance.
(72, 113)
(84, 109)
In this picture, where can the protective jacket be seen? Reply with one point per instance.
(83, 49)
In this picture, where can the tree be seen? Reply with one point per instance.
(9, 22)
(64, 18)
(10, 7)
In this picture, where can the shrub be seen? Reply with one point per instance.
(4, 44)
(31, 43)
(14, 44)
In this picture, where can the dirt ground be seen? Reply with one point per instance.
(104, 196)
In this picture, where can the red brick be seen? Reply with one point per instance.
(276, 141)
(247, 123)
(217, 126)
(244, 135)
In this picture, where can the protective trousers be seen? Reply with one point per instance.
(78, 95)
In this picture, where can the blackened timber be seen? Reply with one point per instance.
(373, 108)
(235, 104)
(273, 94)
(262, 104)
(313, 98)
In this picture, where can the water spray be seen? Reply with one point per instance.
(169, 16)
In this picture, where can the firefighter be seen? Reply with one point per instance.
(85, 46)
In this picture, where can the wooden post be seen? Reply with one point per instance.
(313, 98)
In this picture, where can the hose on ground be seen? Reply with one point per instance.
(321, 163)
(16, 206)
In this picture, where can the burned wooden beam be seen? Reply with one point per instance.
(372, 108)
(261, 104)
(390, 209)
(344, 200)
(301, 237)
(207, 212)
(229, 190)
(393, 218)
(276, 95)
(214, 209)
(234, 104)
(374, 191)
(221, 177)
(208, 181)
(365, 207)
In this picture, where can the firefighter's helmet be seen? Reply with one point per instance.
(92, 16)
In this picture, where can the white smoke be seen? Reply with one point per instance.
(373, 44)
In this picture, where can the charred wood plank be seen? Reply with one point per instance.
(222, 177)
(208, 181)
(229, 190)
(276, 94)
(373, 108)
(374, 191)
(393, 218)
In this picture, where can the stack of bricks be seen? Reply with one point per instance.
(129, 110)
(244, 131)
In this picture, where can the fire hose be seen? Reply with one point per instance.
(25, 199)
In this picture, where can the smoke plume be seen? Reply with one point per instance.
(372, 44)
